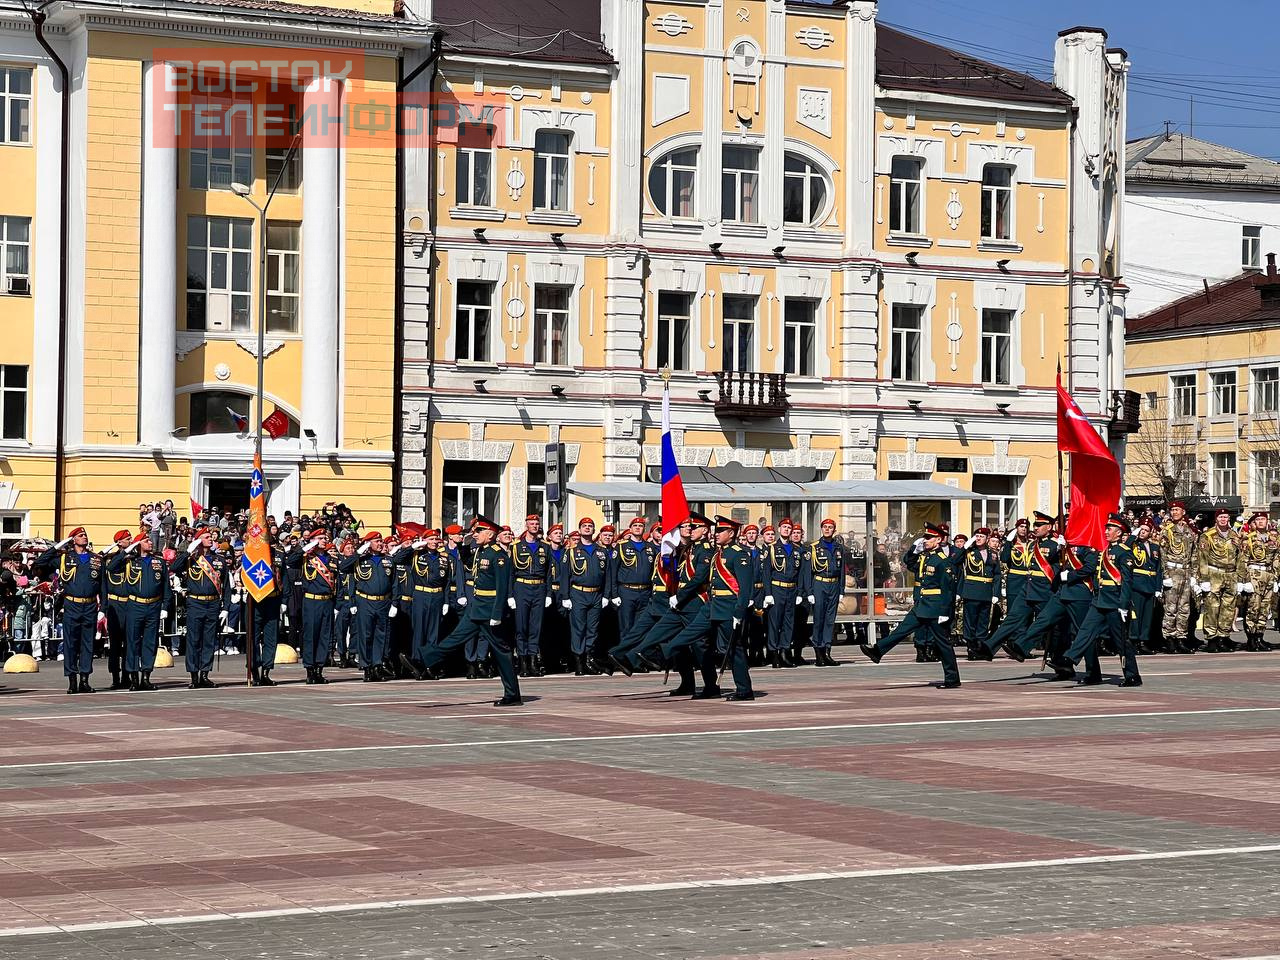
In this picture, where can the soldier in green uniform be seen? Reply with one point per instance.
(1148, 573)
(1259, 564)
(1217, 580)
(1177, 541)
(979, 568)
(491, 574)
(935, 580)
(692, 565)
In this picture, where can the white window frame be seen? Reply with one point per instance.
(1251, 247)
(1178, 392)
(230, 251)
(793, 363)
(7, 393)
(487, 496)
(992, 194)
(991, 340)
(545, 319)
(1223, 388)
(668, 320)
(1184, 469)
(10, 539)
(466, 193)
(1225, 480)
(1265, 395)
(278, 258)
(667, 174)
(464, 319)
(733, 330)
(10, 247)
(996, 509)
(808, 176)
(277, 150)
(1264, 474)
(548, 167)
(734, 182)
(899, 341)
(906, 197)
(232, 121)
(11, 102)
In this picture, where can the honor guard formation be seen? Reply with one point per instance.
(715, 596)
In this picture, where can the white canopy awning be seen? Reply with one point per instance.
(770, 491)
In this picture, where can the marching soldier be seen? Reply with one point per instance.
(319, 571)
(1068, 607)
(662, 579)
(781, 592)
(1148, 569)
(935, 583)
(632, 575)
(491, 574)
(1259, 564)
(204, 581)
(1041, 559)
(1177, 542)
(80, 577)
(115, 604)
(429, 573)
(1112, 598)
(1217, 578)
(584, 583)
(146, 578)
(531, 563)
(372, 581)
(824, 586)
(922, 640)
(685, 598)
(979, 584)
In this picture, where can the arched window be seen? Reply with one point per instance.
(215, 411)
(804, 191)
(671, 182)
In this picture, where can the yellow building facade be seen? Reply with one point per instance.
(157, 353)
(857, 253)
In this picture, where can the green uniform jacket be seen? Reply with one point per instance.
(936, 586)
(731, 583)
(491, 571)
(1113, 583)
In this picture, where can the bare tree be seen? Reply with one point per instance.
(1161, 459)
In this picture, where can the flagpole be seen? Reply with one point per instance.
(1061, 504)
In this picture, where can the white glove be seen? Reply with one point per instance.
(1206, 587)
(222, 618)
(546, 602)
(1168, 582)
(768, 602)
(736, 622)
(943, 619)
(1246, 588)
(811, 599)
(364, 548)
(495, 623)
(1060, 540)
(1275, 587)
(352, 611)
(1011, 536)
(567, 604)
(917, 543)
(311, 545)
(799, 600)
(672, 603)
(193, 546)
(419, 544)
(995, 600)
(1240, 587)
(1159, 594)
(617, 601)
(62, 544)
(235, 598)
(133, 546)
(392, 610)
(462, 601)
(164, 614)
(444, 609)
(511, 602)
(1124, 614)
(1064, 576)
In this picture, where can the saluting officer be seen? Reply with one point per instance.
(935, 581)
(632, 575)
(1259, 565)
(1112, 597)
(1041, 557)
(979, 584)
(203, 574)
(115, 604)
(584, 583)
(1148, 573)
(1177, 541)
(372, 579)
(781, 592)
(319, 583)
(1218, 581)
(824, 585)
(1015, 566)
(491, 575)
(531, 562)
(146, 578)
(80, 577)
(344, 634)
(429, 572)
(753, 630)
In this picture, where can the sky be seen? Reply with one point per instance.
(1180, 51)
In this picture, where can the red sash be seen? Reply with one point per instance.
(1041, 560)
(730, 580)
(1109, 566)
(207, 569)
(322, 570)
(1074, 563)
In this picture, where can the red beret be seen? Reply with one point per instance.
(453, 529)
(122, 535)
(139, 538)
(608, 527)
(657, 527)
(371, 536)
(584, 521)
(318, 533)
(1223, 513)
(556, 526)
(430, 532)
(76, 532)
(505, 529)
(827, 521)
(1177, 503)
(533, 516)
(787, 521)
(768, 528)
(749, 527)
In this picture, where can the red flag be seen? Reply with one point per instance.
(1095, 475)
(196, 510)
(277, 424)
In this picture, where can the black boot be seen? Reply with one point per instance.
(921, 657)
(538, 669)
(370, 676)
(205, 682)
(320, 675)
(116, 682)
(577, 665)
(134, 684)
(73, 684)
(473, 670)
(797, 656)
(264, 678)
(775, 660)
(84, 684)
(146, 683)
(195, 681)
(788, 657)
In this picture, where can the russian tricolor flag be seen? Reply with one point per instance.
(675, 508)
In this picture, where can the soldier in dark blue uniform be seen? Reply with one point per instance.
(824, 586)
(935, 582)
(372, 580)
(429, 575)
(80, 576)
(491, 574)
(319, 574)
(584, 583)
(753, 630)
(115, 604)
(146, 577)
(979, 569)
(345, 605)
(632, 575)
(781, 592)
(1148, 575)
(1112, 596)
(1041, 580)
(204, 580)
(531, 564)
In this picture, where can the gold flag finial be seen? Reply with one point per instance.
(665, 373)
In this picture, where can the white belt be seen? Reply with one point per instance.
(1259, 566)
(1177, 566)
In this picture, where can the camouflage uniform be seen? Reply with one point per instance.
(1177, 543)
(1217, 559)
(1259, 556)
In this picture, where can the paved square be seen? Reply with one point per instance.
(851, 812)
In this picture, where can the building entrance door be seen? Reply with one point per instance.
(227, 495)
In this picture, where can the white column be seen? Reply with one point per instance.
(860, 137)
(321, 267)
(46, 275)
(157, 360)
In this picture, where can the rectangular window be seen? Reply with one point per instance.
(1251, 248)
(1224, 474)
(740, 184)
(906, 329)
(551, 325)
(739, 333)
(551, 170)
(674, 323)
(15, 235)
(799, 337)
(997, 202)
(1182, 467)
(999, 504)
(535, 498)
(222, 142)
(15, 95)
(1183, 390)
(470, 489)
(1223, 386)
(284, 270)
(12, 531)
(906, 184)
(474, 176)
(284, 166)
(219, 258)
(13, 402)
(1266, 477)
(997, 346)
(473, 316)
(1266, 390)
